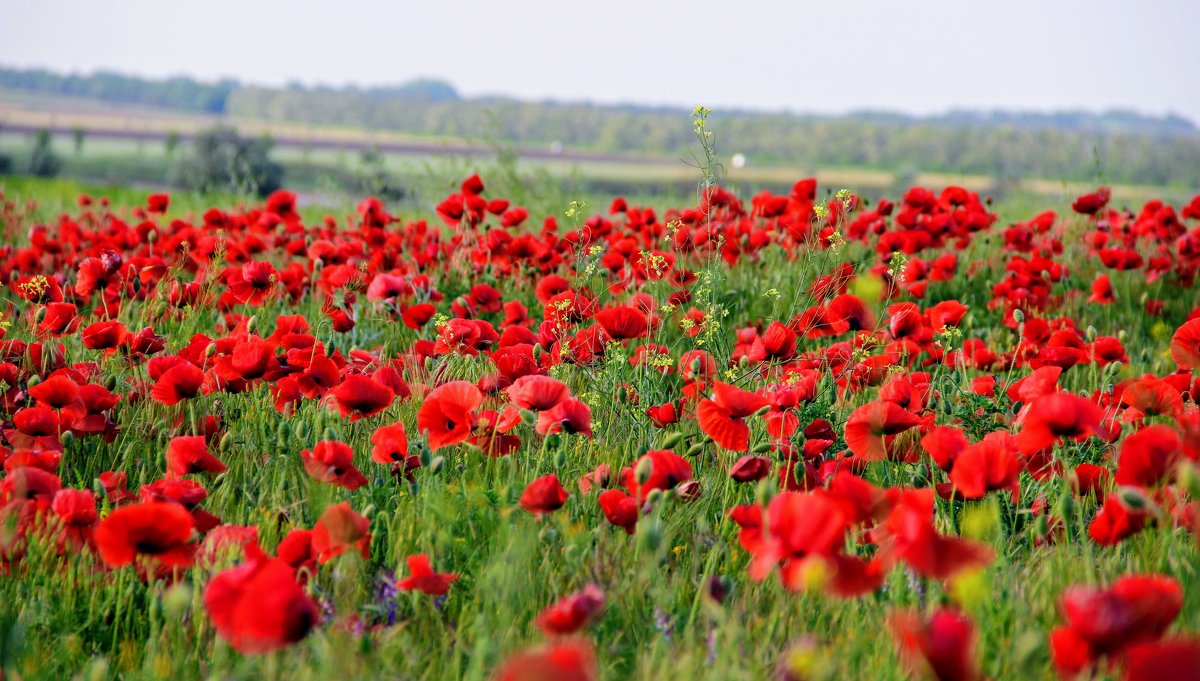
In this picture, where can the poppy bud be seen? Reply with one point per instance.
(330, 434)
(66, 437)
(210, 350)
(435, 465)
(33, 380)
(695, 366)
(39, 315)
(318, 264)
(528, 417)
(763, 410)
(251, 323)
(622, 394)
(645, 468)
(284, 430)
(762, 447)
(226, 442)
(1189, 478)
(560, 459)
(1041, 526)
(764, 491)
(301, 430)
(176, 601)
(1091, 333)
(695, 449)
(743, 361)
(650, 534)
(137, 284)
(537, 352)
(1134, 498)
(1065, 508)
(1019, 316)
(152, 236)
(672, 439)
(718, 588)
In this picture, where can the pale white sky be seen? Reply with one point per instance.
(918, 56)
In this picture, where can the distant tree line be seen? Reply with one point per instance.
(1112, 146)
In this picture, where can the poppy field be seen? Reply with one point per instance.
(808, 435)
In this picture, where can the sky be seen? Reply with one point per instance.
(914, 56)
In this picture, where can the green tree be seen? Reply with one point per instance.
(222, 160)
(43, 162)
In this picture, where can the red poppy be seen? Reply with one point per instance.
(657, 469)
(333, 462)
(1148, 456)
(537, 393)
(984, 467)
(253, 282)
(258, 606)
(1106, 621)
(1178, 660)
(571, 613)
(1185, 345)
(180, 382)
(1090, 204)
(942, 645)
(944, 444)
(723, 417)
(421, 577)
(750, 469)
(619, 508)
(339, 530)
(544, 495)
(359, 396)
(571, 416)
(908, 534)
(158, 531)
(158, 203)
(55, 392)
(1116, 522)
(870, 425)
(447, 416)
(187, 455)
(1055, 416)
(390, 444)
(565, 660)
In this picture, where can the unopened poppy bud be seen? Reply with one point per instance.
(1189, 478)
(762, 447)
(622, 394)
(645, 468)
(428, 364)
(743, 361)
(1134, 498)
(66, 437)
(1041, 526)
(1065, 508)
(528, 417)
(318, 264)
(1019, 316)
(552, 440)
(718, 588)
(39, 315)
(33, 380)
(301, 430)
(330, 434)
(284, 430)
(695, 365)
(426, 456)
(672, 439)
(763, 410)
(560, 459)
(251, 323)
(650, 535)
(1091, 333)
(537, 352)
(764, 491)
(210, 349)
(152, 236)
(176, 602)
(653, 497)
(226, 442)
(435, 466)
(695, 449)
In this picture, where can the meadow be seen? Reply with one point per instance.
(811, 434)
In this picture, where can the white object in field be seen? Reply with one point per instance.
(738, 161)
